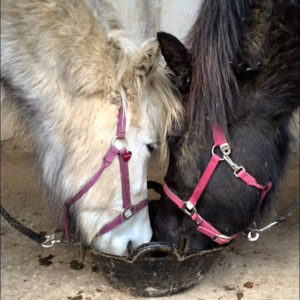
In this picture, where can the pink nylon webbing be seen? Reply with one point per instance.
(204, 179)
(121, 127)
(120, 218)
(219, 137)
(107, 160)
(172, 196)
(203, 226)
(210, 231)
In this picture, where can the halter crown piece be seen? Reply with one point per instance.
(124, 156)
(189, 207)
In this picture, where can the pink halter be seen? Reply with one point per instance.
(128, 209)
(189, 207)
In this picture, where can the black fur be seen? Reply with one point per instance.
(245, 76)
(178, 60)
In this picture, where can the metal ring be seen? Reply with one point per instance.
(128, 212)
(50, 241)
(122, 140)
(213, 153)
(189, 210)
(251, 237)
(221, 236)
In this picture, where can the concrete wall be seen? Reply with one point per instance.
(142, 19)
(9, 123)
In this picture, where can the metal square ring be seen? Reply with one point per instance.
(128, 212)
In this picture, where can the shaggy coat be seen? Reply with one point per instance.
(245, 77)
(64, 66)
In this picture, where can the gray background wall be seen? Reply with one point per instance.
(142, 19)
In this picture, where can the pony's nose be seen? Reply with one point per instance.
(254, 65)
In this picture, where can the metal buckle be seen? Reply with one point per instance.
(128, 212)
(50, 241)
(222, 236)
(189, 209)
(225, 148)
(119, 143)
(236, 173)
(235, 167)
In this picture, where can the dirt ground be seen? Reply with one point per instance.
(264, 270)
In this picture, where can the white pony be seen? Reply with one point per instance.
(69, 77)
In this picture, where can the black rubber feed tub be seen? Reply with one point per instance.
(155, 269)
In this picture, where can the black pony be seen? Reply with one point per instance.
(243, 59)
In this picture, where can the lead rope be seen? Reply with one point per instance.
(46, 241)
(39, 238)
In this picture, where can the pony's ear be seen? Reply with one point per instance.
(146, 58)
(115, 48)
(177, 58)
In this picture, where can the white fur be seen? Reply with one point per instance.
(67, 75)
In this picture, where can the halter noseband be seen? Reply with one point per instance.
(189, 207)
(124, 155)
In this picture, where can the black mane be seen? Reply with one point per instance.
(231, 42)
(245, 76)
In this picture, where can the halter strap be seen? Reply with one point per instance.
(127, 213)
(121, 126)
(124, 179)
(107, 160)
(189, 208)
(218, 135)
(128, 209)
(204, 179)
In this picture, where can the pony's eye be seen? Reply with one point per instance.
(150, 147)
(173, 139)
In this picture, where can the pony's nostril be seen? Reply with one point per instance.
(258, 64)
(183, 245)
(129, 247)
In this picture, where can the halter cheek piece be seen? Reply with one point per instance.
(189, 207)
(124, 155)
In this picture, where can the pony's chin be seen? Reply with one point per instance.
(115, 246)
(167, 229)
(127, 236)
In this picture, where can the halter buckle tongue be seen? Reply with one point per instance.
(189, 208)
(235, 167)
